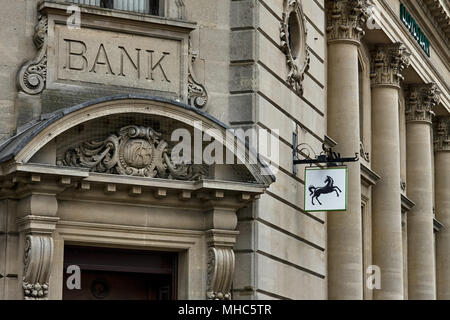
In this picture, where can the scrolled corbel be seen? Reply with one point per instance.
(221, 263)
(38, 258)
(32, 76)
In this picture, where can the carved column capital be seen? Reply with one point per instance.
(37, 261)
(441, 134)
(346, 19)
(388, 63)
(221, 262)
(420, 102)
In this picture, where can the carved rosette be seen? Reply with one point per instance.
(441, 134)
(420, 102)
(388, 63)
(297, 56)
(346, 19)
(134, 151)
(32, 76)
(221, 264)
(38, 258)
(197, 94)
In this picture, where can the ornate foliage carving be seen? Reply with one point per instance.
(388, 63)
(33, 74)
(134, 151)
(220, 273)
(293, 43)
(346, 18)
(420, 101)
(197, 94)
(37, 266)
(441, 134)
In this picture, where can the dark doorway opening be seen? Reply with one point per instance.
(119, 274)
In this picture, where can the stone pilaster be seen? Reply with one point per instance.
(388, 62)
(420, 101)
(345, 22)
(442, 204)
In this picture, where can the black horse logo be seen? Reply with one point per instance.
(329, 188)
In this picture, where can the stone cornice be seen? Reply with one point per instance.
(439, 13)
(387, 64)
(346, 18)
(441, 134)
(420, 102)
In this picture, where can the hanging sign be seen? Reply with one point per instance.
(326, 189)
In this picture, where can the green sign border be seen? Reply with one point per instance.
(346, 188)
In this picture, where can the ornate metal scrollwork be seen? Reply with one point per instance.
(32, 76)
(221, 262)
(37, 266)
(134, 151)
(295, 49)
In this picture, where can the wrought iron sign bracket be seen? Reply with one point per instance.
(328, 156)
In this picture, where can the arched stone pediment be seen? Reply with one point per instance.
(92, 125)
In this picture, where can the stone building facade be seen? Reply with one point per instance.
(92, 92)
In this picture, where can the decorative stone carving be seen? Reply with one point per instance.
(362, 151)
(346, 19)
(293, 34)
(441, 134)
(134, 151)
(403, 185)
(197, 94)
(388, 63)
(221, 263)
(37, 266)
(181, 9)
(33, 74)
(420, 101)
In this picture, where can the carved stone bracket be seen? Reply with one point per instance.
(32, 76)
(346, 19)
(441, 134)
(221, 263)
(420, 102)
(197, 94)
(388, 63)
(37, 266)
(293, 34)
(134, 151)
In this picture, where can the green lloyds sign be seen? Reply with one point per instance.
(414, 28)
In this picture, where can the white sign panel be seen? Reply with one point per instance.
(326, 189)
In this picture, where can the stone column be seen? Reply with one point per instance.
(442, 204)
(345, 21)
(420, 100)
(388, 62)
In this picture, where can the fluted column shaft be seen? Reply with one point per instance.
(388, 61)
(419, 175)
(442, 205)
(345, 252)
